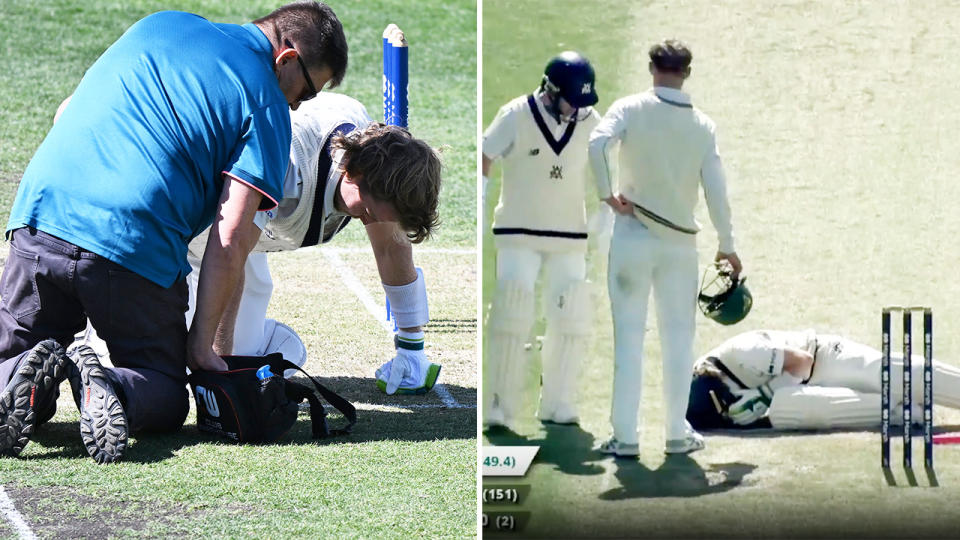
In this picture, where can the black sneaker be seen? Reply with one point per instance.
(35, 382)
(103, 424)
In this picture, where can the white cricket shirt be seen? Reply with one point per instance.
(668, 150)
(756, 357)
(544, 176)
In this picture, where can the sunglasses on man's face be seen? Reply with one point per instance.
(306, 74)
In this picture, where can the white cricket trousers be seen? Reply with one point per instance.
(640, 260)
(522, 266)
(248, 334)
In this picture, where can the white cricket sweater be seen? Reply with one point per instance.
(668, 150)
(544, 176)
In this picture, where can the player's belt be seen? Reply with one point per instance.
(726, 371)
(539, 232)
(663, 221)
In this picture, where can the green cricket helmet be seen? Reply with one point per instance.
(722, 297)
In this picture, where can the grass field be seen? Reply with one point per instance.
(836, 127)
(409, 468)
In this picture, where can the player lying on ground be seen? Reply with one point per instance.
(804, 380)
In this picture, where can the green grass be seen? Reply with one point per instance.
(836, 125)
(409, 468)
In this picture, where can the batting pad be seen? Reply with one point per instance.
(509, 322)
(569, 325)
(824, 407)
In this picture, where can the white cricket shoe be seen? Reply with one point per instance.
(619, 449)
(564, 413)
(494, 418)
(691, 443)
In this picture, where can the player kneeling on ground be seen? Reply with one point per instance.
(803, 380)
(344, 166)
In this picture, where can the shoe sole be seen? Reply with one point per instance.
(103, 422)
(685, 450)
(42, 370)
(616, 453)
(562, 422)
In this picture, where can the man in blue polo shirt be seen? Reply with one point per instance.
(179, 124)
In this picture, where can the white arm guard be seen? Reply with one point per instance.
(408, 303)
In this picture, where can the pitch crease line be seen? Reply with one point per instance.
(352, 283)
(425, 251)
(380, 406)
(10, 512)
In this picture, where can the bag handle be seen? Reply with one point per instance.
(300, 391)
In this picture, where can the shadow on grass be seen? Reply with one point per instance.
(678, 476)
(568, 447)
(404, 418)
(911, 477)
(770, 432)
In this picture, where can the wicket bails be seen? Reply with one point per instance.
(395, 77)
(907, 400)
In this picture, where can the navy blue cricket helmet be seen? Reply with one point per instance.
(570, 75)
(709, 399)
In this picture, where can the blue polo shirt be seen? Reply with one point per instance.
(134, 167)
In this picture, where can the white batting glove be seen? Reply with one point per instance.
(751, 406)
(408, 373)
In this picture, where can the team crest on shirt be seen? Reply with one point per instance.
(534, 151)
(556, 172)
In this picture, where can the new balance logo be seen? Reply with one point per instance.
(534, 151)
(209, 401)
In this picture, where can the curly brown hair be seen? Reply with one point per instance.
(395, 167)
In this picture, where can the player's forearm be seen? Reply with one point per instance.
(221, 277)
(797, 363)
(230, 240)
(599, 154)
(394, 256)
(393, 253)
(715, 193)
(223, 340)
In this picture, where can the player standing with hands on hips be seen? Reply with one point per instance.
(540, 222)
(669, 150)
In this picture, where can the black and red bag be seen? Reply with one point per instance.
(238, 405)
